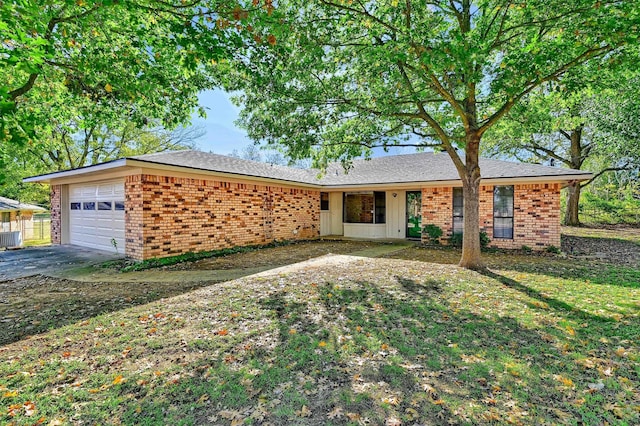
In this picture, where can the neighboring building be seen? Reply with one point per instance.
(165, 204)
(16, 217)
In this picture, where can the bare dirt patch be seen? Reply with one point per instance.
(276, 256)
(619, 244)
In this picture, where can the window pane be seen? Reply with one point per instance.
(503, 212)
(503, 201)
(89, 205)
(503, 228)
(324, 201)
(118, 205)
(75, 206)
(458, 211)
(358, 208)
(104, 205)
(381, 203)
(458, 225)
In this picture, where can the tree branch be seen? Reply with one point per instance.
(601, 172)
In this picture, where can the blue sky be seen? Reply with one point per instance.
(223, 136)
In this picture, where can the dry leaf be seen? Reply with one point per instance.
(335, 413)
(303, 412)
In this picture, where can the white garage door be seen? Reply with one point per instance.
(96, 215)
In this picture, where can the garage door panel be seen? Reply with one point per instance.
(96, 228)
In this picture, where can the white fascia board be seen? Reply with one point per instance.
(76, 172)
(458, 183)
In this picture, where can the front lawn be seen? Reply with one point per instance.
(349, 341)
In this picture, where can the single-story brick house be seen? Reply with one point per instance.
(165, 204)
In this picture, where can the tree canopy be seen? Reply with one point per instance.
(583, 121)
(339, 77)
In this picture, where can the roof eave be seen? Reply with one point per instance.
(458, 182)
(47, 178)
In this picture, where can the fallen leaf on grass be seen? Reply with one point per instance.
(119, 379)
(393, 400)
(10, 394)
(335, 413)
(393, 421)
(564, 380)
(621, 352)
(29, 408)
(303, 412)
(354, 417)
(411, 414)
(233, 415)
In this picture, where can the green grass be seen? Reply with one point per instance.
(535, 340)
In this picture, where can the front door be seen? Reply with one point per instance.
(414, 214)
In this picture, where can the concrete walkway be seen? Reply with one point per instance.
(49, 260)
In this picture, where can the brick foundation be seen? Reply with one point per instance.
(167, 216)
(536, 221)
(56, 210)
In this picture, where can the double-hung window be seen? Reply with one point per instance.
(503, 212)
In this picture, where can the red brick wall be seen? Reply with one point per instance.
(167, 216)
(536, 214)
(56, 218)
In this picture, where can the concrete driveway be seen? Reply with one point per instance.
(49, 260)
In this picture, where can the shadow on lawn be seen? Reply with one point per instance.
(37, 304)
(412, 350)
(534, 263)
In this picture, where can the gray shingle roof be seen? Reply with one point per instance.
(7, 204)
(396, 169)
(222, 163)
(433, 167)
(407, 168)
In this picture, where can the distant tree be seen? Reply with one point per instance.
(585, 121)
(332, 79)
(248, 152)
(271, 156)
(68, 148)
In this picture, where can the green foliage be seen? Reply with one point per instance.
(553, 250)
(340, 79)
(455, 240)
(595, 209)
(434, 232)
(526, 249)
(69, 67)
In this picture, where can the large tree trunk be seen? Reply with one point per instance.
(571, 215)
(471, 254)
